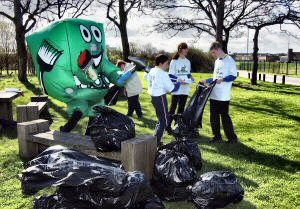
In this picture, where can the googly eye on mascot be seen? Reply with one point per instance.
(73, 67)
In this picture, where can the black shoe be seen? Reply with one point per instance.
(169, 130)
(129, 115)
(215, 139)
(140, 116)
(232, 141)
(160, 144)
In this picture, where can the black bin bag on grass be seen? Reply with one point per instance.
(216, 189)
(85, 182)
(187, 147)
(192, 115)
(109, 128)
(173, 172)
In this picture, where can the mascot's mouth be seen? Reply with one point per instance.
(85, 60)
(97, 59)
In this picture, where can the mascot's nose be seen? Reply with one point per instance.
(94, 47)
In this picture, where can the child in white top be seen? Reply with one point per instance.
(159, 84)
(180, 67)
(133, 88)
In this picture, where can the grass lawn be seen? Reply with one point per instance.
(266, 161)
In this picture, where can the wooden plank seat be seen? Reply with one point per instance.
(136, 154)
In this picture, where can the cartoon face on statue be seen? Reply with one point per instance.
(72, 65)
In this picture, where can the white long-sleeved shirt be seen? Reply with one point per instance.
(133, 86)
(181, 68)
(223, 68)
(159, 82)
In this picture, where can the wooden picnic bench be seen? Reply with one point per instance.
(33, 109)
(6, 110)
(136, 154)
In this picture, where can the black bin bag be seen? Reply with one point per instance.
(216, 189)
(173, 172)
(85, 182)
(192, 115)
(109, 128)
(187, 147)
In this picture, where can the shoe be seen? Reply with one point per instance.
(169, 130)
(232, 141)
(129, 115)
(215, 139)
(160, 144)
(140, 116)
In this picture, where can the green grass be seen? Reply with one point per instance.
(266, 161)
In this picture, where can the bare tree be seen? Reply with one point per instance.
(24, 14)
(218, 18)
(7, 42)
(117, 12)
(275, 12)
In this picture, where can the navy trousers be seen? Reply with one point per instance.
(217, 109)
(160, 104)
(134, 105)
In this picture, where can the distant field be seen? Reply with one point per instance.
(291, 69)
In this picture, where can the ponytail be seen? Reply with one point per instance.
(176, 56)
(180, 46)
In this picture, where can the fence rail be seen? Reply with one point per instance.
(292, 68)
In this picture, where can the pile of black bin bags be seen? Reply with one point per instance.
(109, 128)
(175, 177)
(85, 182)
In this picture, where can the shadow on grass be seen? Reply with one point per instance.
(243, 152)
(274, 107)
(272, 88)
(9, 133)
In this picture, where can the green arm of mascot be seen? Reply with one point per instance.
(73, 67)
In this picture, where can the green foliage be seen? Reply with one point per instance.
(266, 161)
(200, 61)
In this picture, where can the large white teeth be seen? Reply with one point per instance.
(77, 81)
(97, 60)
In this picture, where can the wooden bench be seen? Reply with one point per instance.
(136, 154)
(33, 109)
(6, 110)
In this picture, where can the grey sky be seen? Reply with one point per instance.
(270, 40)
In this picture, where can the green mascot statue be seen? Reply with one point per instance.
(73, 67)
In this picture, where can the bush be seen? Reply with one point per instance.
(200, 61)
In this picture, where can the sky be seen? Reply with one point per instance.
(271, 40)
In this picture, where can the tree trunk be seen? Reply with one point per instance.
(255, 57)
(220, 20)
(225, 42)
(123, 30)
(20, 39)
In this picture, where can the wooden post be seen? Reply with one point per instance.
(264, 77)
(27, 113)
(283, 79)
(296, 69)
(287, 68)
(27, 149)
(249, 75)
(274, 78)
(259, 76)
(6, 110)
(139, 154)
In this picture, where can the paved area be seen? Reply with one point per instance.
(270, 78)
